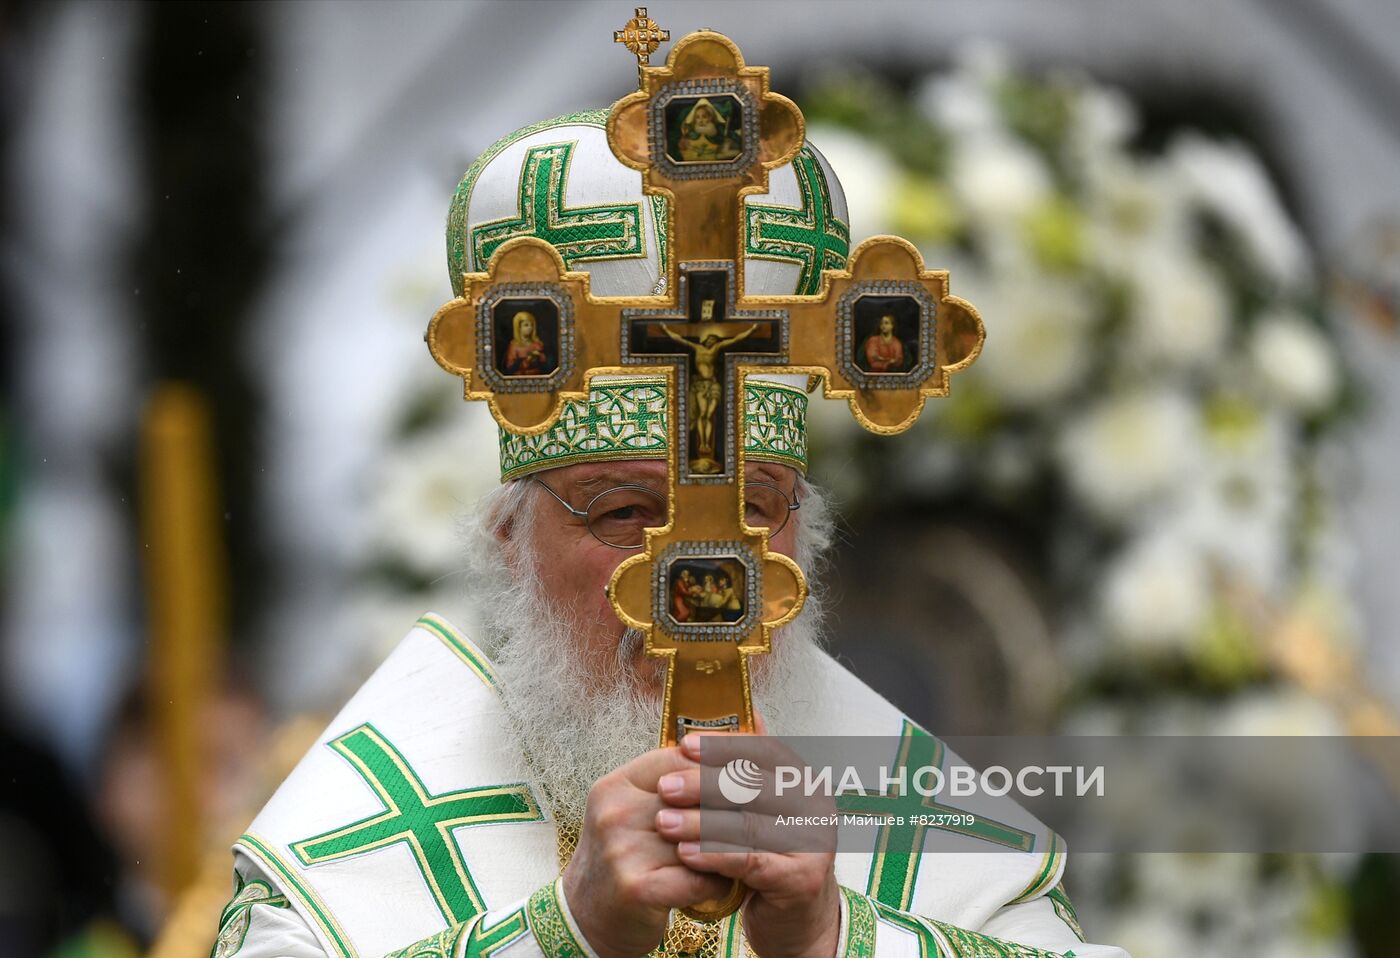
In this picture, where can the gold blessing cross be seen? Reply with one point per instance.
(885, 335)
(642, 36)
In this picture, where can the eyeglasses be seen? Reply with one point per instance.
(620, 516)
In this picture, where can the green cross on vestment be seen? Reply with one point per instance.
(898, 847)
(425, 822)
(811, 236)
(485, 940)
(578, 233)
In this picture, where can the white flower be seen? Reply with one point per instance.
(1230, 180)
(1128, 450)
(1131, 207)
(1237, 506)
(866, 173)
(997, 178)
(1184, 880)
(425, 485)
(1151, 930)
(1036, 347)
(1279, 713)
(984, 61)
(1157, 594)
(1180, 311)
(1009, 462)
(375, 621)
(959, 104)
(1102, 121)
(1294, 361)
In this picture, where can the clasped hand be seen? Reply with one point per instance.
(641, 853)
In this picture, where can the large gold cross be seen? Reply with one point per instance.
(885, 335)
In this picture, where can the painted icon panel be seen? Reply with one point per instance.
(704, 129)
(525, 334)
(706, 589)
(886, 340)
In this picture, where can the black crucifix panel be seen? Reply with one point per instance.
(706, 340)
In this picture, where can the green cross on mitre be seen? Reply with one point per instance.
(812, 236)
(458, 237)
(899, 847)
(610, 230)
(595, 420)
(424, 822)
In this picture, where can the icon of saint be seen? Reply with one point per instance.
(680, 596)
(883, 351)
(706, 136)
(708, 600)
(731, 607)
(525, 356)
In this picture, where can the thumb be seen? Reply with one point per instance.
(760, 726)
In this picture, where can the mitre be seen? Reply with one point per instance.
(559, 181)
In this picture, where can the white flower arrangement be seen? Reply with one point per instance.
(1156, 357)
(1126, 453)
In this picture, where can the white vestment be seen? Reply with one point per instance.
(414, 823)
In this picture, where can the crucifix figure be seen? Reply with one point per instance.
(705, 391)
(709, 329)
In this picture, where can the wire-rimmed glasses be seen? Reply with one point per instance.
(620, 516)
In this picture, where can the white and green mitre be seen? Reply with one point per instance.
(558, 180)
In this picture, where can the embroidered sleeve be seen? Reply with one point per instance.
(259, 921)
(536, 927)
(555, 930)
(1033, 929)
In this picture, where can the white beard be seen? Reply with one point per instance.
(575, 731)
(577, 716)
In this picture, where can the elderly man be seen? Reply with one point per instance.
(474, 798)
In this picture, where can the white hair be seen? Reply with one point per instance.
(574, 731)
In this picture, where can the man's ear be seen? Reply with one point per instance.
(505, 529)
(502, 526)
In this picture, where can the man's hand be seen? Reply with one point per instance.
(795, 909)
(625, 878)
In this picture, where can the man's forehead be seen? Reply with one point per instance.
(647, 472)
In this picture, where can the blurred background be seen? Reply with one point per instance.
(1164, 501)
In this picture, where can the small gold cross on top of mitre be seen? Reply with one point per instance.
(884, 334)
(642, 36)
